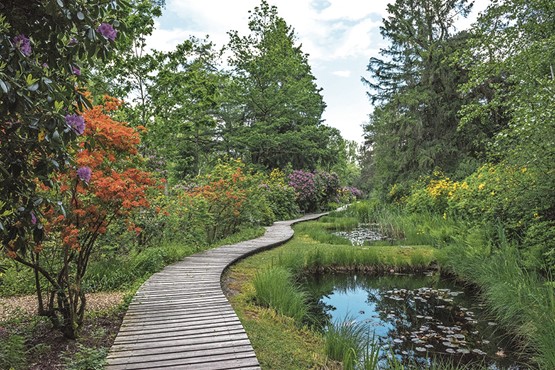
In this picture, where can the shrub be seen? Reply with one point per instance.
(12, 351)
(314, 190)
(226, 198)
(281, 196)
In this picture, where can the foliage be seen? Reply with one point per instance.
(104, 186)
(87, 359)
(281, 196)
(45, 49)
(279, 104)
(186, 92)
(275, 288)
(227, 197)
(495, 194)
(12, 351)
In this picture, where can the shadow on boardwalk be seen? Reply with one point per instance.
(181, 319)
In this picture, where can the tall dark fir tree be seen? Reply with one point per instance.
(413, 129)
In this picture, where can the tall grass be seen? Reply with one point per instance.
(302, 257)
(520, 299)
(275, 287)
(344, 341)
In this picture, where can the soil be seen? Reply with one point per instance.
(47, 348)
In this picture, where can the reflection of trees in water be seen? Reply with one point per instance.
(402, 313)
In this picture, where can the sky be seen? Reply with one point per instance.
(340, 36)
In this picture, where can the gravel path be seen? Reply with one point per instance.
(27, 305)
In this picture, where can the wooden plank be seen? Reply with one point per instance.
(224, 349)
(172, 342)
(180, 318)
(121, 343)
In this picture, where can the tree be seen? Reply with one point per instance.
(512, 56)
(129, 74)
(44, 47)
(414, 127)
(281, 105)
(187, 93)
(103, 186)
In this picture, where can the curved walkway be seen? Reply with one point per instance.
(180, 318)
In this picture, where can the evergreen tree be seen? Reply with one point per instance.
(280, 103)
(413, 130)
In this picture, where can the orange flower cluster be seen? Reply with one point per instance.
(116, 187)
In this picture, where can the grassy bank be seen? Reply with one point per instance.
(264, 292)
(521, 300)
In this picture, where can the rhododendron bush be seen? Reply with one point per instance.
(104, 185)
(315, 190)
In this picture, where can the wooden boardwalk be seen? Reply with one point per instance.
(181, 319)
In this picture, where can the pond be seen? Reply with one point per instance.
(417, 317)
(364, 233)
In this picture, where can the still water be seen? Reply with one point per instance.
(417, 317)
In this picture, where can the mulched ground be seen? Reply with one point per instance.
(27, 305)
(46, 348)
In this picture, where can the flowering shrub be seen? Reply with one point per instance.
(226, 198)
(104, 186)
(315, 190)
(348, 194)
(495, 194)
(304, 184)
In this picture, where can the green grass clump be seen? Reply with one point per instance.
(275, 288)
(344, 342)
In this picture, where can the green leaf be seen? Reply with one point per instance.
(33, 87)
(56, 137)
(58, 105)
(91, 34)
(4, 87)
(80, 16)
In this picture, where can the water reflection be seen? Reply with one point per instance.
(415, 317)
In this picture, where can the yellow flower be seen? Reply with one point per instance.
(42, 134)
(481, 186)
(523, 170)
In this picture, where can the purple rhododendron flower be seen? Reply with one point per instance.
(106, 30)
(72, 41)
(76, 122)
(33, 218)
(84, 173)
(76, 70)
(23, 44)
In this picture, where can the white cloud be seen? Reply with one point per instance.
(342, 73)
(339, 35)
